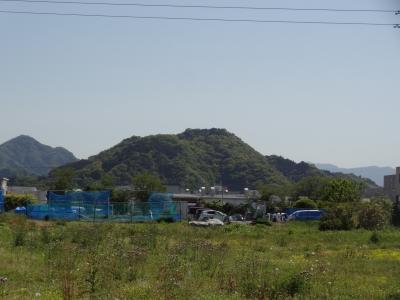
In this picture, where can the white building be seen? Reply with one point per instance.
(4, 185)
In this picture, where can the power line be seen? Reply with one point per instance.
(199, 19)
(205, 6)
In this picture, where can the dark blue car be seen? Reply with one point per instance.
(306, 215)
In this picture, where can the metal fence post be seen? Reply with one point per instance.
(94, 212)
(131, 207)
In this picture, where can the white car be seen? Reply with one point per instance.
(207, 223)
(209, 214)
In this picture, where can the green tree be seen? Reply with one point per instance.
(373, 216)
(268, 190)
(342, 190)
(12, 201)
(118, 195)
(396, 214)
(305, 202)
(341, 217)
(145, 184)
(311, 187)
(63, 179)
(107, 181)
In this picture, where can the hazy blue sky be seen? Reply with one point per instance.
(313, 93)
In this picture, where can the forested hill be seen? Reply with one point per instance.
(297, 171)
(194, 158)
(25, 156)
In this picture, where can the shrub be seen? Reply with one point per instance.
(226, 208)
(263, 221)
(396, 214)
(305, 202)
(19, 229)
(375, 238)
(373, 216)
(342, 191)
(12, 201)
(295, 284)
(394, 296)
(339, 218)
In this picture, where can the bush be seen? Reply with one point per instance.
(263, 221)
(295, 284)
(339, 218)
(396, 214)
(12, 201)
(226, 208)
(373, 216)
(305, 202)
(20, 229)
(394, 296)
(375, 238)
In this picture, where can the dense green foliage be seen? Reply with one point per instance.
(24, 156)
(192, 159)
(12, 201)
(292, 170)
(342, 190)
(145, 184)
(312, 187)
(63, 179)
(53, 261)
(373, 215)
(396, 214)
(341, 217)
(305, 202)
(226, 208)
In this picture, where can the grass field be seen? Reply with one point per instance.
(175, 261)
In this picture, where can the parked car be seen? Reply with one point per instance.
(239, 219)
(198, 212)
(213, 214)
(306, 215)
(207, 222)
(236, 218)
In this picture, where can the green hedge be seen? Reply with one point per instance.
(12, 201)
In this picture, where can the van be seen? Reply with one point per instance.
(306, 215)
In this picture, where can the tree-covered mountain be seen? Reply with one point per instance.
(24, 156)
(297, 171)
(292, 170)
(194, 158)
(191, 159)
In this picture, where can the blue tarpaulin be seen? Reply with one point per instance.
(72, 206)
(96, 206)
(1, 201)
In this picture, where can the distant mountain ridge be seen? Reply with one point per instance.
(194, 158)
(25, 156)
(374, 173)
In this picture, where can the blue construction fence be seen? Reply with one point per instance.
(96, 207)
(1, 201)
